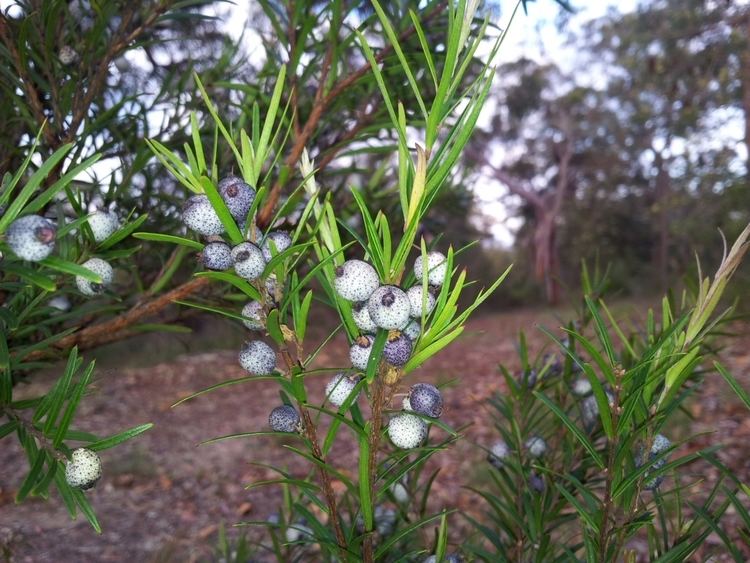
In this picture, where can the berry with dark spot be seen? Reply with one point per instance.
(536, 446)
(238, 196)
(254, 317)
(280, 241)
(284, 419)
(415, 295)
(397, 350)
(661, 444)
(356, 280)
(84, 469)
(102, 269)
(216, 256)
(359, 353)
(340, 387)
(103, 224)
(248, 261)
(436, 268)
(31, 237)
(389, 307)
(67, 55)
(258, 358)
(425, 399)
(362, 319)
(449, 558)
(498, 453)
(407, 431)
(199, 215)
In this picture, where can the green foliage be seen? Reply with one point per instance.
(596, 489)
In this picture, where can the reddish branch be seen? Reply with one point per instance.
(320, 104)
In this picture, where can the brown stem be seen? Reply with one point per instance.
(311, 433)
(604, 531)
(116, 328)
(319, 106)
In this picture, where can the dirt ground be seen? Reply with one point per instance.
(162, 497)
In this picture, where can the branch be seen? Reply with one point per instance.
(117, 328)
(319, 105)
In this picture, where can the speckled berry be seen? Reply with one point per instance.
(258, 358)
(67, 55)
(238, 196)
(60, 302)
(198, 215)
(254, 317)
(340, 387)
(536, 446)
(413, 330)
(356, 280)
(102, 269)
(216, 256)
(436, 268)
(362, 319)
(407, 431)
(359, 353)
(84, 469)
(449, 558)
(280, 240)
(498, 454)
(31, 237)
(415, 294)
(582, 387)
(425, 399)
(389, 307)
(660, 444)
(299, 532)
(397, 350)
(590, 410)
(248, 261)
(284, 419)
(103, 224)
(536, 482)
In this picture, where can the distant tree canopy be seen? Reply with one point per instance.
(637, 155)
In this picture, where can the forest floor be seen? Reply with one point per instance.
(163, 498)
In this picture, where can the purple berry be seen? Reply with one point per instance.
(397, 350)
(216, 256)
(284, 419)
(238, 196)
(425, 399)
(258, 358)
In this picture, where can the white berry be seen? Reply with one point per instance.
(407, 431)
(103, 224)
(359, 353)
(254, 317)
(537, 446)
(102, 269)
(248, 261)
(258, 358)
(389, 307)
(362, 319)
(340, 387)
(280, 241)
(356, 280)
(31, 237)
(84, 469)
(199, 215)
(436, 267)
(415, 295)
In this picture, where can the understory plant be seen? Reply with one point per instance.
(55, 274)
(396, 298)
(591, 463)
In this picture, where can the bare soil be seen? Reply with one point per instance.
(163, 497)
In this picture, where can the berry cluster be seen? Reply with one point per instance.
(389, 307)
(32, 238)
